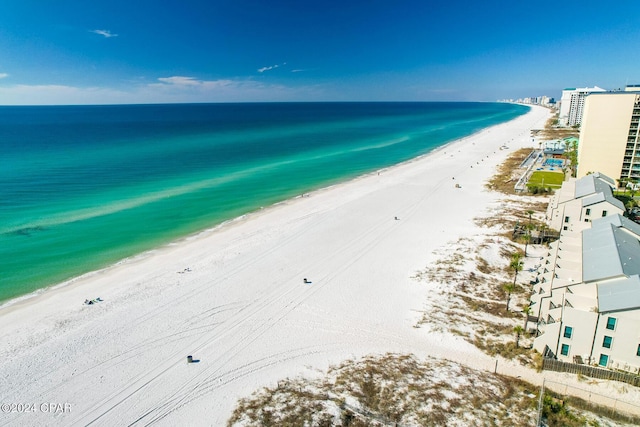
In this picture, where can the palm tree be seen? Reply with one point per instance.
(518, 331)
(630, 205)
(621, 182)
(508, 288)
(515, 265)
(634, 189)
(530, 212)
(527, 311)
(527, 239)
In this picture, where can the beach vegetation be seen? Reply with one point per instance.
(526, 310)
(508, 172)
(530, 213)
(508, 216)
(527, 239)
(537, 361)
(538, 190)
(483, 266)
(508, 289)
(481, 290)
(391, 389)
(626, 199)
(518, 330)
(556, 413)
(516, 265)
(553, 131)
(508, 350)
(561, 410)
(622, 183)
(571, 155)
(475, 306)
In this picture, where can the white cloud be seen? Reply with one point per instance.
(3, 75)
(180, 81)
(174, 89)
(271, 67)
(106, 33)
(263, 69)
(59, 95)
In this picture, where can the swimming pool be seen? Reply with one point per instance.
(554, 162)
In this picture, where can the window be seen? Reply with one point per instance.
(604, 213)
(588, 212)
(566, 219)
(568, 330)
(564, 350)
(638, 352)
(606, 342)
(604, 360)
(565, 228)
(611, 323)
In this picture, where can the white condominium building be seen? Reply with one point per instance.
(572, 104)
(580, 201)
(587, 304)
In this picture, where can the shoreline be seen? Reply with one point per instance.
(171, 200)
(34, 295)
(234, 297)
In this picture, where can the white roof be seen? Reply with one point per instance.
(619, 295)
(609, 251)
(592, 183)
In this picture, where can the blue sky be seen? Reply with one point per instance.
(140, 51)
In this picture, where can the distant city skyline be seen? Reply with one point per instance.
(74, 52)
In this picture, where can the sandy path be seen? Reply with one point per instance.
(242, 308)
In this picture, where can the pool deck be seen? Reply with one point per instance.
(536, 162)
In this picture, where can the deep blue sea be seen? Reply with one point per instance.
(82, 187)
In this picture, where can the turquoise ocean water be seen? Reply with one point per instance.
(82, 187)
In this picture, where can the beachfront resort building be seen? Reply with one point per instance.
(586, 302)
(554, 149)
(580, 201)
(590, 313)
(609, 135)
(572, 104)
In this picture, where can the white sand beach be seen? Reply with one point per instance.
(235, 299)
